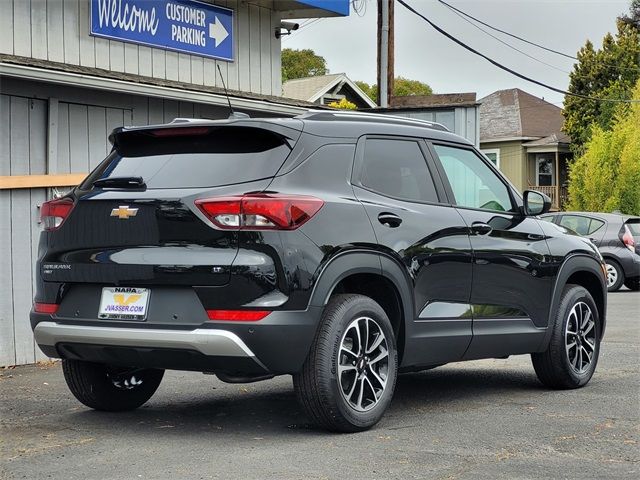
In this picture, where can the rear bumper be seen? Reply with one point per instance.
(276, 345)
(206, 341)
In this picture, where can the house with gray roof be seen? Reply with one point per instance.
(522, 135)
(325, 89)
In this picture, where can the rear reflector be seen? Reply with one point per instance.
(54, 212)
(260, 211)
(45, 307)
(238, 315)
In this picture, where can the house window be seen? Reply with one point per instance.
(493, 154)
(545, 169)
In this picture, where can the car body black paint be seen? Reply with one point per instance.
(510, 277)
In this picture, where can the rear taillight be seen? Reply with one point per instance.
(54, 212)
(49, 308)
(260, 211)
(237, 315)
(627, 239)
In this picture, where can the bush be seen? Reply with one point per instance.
(343, 104)
(607, 176)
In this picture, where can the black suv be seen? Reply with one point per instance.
(339, 248)
(616, 236)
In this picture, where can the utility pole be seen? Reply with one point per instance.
(385, 51)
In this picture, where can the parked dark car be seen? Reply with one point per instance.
(616, 236)
(338, 248)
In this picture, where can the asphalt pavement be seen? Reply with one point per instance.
(476, 420)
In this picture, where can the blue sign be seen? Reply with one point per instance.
(182, 25)
(341, 7)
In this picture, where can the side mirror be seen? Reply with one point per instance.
(536, 203)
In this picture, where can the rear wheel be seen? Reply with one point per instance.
(572, 354)
(632, 283)
(111, 389)
(348, 379)
(615, 275)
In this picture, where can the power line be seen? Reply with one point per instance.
(506, 33)
(455, 11)
(461, 12)
(507, 69)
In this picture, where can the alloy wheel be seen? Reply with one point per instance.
(126, 379)
(612, 275)
(580, 337)
(363, 364)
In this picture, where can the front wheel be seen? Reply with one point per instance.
(572, 354)
(112, 389)
(348, 379)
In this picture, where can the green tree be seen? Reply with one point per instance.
(634, 14)
(607, 176)
(370, 90)
(301, 64)
(608, 73)
(402, 87)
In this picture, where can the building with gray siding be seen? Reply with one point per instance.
(459, 112)
(62, 90)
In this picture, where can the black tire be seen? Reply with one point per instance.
(317, 386)
(610, 263)
(553, 366)
(632, 283)
(106, 388)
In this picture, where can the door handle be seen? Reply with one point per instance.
(390, 220)
(480, 228)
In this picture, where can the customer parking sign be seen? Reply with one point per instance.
(182, 25)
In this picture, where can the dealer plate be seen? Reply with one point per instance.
(124, 303)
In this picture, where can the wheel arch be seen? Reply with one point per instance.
(586, 271)
(372, 274)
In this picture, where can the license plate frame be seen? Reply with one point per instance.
(124, 303)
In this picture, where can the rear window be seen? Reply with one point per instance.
(634, 227)
(219, 156)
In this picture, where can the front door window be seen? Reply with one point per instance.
(546, 170)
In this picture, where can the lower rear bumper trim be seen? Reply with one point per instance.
(210, 342)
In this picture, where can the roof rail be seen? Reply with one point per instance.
(371, 117)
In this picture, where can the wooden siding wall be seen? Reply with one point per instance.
(460, 120)
(58, 30)
(513, 162)
(54, 129)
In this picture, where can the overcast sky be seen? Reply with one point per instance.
(349, 44)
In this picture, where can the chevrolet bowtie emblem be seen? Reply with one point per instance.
(123, 212)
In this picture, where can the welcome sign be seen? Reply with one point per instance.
(182, 25)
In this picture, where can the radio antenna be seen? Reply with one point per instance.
(225, 91)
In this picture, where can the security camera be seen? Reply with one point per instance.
(290, 26)
(286, 28)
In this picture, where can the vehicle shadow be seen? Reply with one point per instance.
(264, 408)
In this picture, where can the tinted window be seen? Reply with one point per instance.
(581, 225)
(397, 168)
(223, 156)
(474, 184)
(634, 227)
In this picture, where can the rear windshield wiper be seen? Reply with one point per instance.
(120, 182)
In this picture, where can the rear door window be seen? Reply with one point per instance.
(398, 169)
(220, 156)
(581, 225)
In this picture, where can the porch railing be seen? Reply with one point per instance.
(557, 194)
